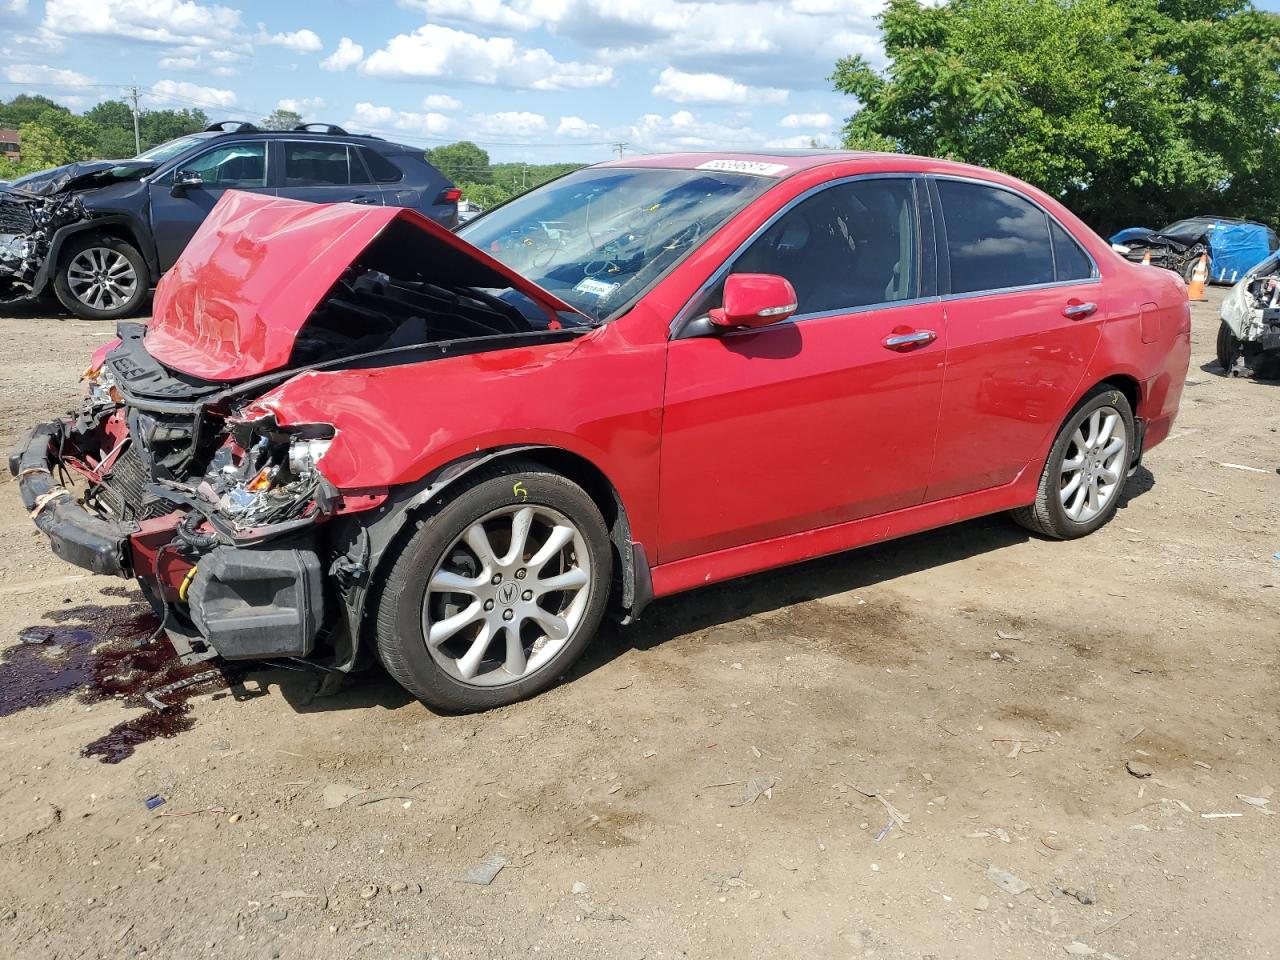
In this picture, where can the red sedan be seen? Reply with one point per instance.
(348, 432)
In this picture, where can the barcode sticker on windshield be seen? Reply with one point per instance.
(757, 167)
(596, 288)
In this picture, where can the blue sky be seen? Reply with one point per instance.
(533, 80)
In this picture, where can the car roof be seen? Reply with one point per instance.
(365, 139)
(785, 163)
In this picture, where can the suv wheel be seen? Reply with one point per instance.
(498, 592)
(101, 278)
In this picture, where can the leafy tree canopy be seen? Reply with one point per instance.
(462, 162)
(281, 120)
(1131, 113)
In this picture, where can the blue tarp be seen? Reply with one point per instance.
(1235, 249)
(1132, 233)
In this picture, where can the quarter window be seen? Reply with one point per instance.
(1069, 261)
(995, 238)
(317, 164)
(235, 165)
(852, 245)
(383, 170)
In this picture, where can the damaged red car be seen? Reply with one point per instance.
(348, 433)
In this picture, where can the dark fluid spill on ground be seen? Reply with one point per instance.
(100, 653)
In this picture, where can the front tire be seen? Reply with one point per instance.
(1228, 347)
(100, 277)
(498, 592)
(1085, 472)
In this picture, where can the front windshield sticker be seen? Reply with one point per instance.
(596, 288)
(757, 167)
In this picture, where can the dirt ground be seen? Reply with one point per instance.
(988, 686)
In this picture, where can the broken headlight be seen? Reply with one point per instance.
(265, 474)
(98, 387)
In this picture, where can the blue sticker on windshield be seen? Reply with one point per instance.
(596, 288)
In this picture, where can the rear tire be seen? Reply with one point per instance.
(535, 629)
(1085, 462)
(100, 277)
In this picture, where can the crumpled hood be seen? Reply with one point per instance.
(48, 182)
(233, 304)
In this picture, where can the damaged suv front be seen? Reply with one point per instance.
(192, 481)
(1249, 337)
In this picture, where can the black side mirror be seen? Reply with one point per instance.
(184, 180)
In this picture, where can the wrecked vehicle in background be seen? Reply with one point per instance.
(1232, 245)
(1249, 336)
(100, 233)
(349, 433)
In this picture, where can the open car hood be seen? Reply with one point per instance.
(234, 303)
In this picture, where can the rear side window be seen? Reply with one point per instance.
(383, 170)
(995, 238)
(312, 164)
(1070, 262)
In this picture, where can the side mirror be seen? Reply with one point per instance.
(754, 300)
(184, 180)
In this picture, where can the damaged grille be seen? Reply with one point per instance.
(123, 492)
(15, 217)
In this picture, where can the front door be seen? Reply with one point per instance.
(821, 419)
(228, 166)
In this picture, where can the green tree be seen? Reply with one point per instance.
(281, 120)
(462, 162)
(486, 194)
(1135, 112)
(24, 108)
(114, 120)
(157, 126)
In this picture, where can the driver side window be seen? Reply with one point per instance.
(235, 165)
(852, 245)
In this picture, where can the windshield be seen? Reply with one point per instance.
(599, 237)
(167, 151)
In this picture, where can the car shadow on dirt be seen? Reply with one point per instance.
(1268, 373)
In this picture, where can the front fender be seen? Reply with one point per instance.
(139, 238)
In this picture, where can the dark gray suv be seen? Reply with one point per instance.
(100, 233)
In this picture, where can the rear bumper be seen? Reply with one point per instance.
(75, 534)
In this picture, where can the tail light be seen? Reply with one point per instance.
(452, 195)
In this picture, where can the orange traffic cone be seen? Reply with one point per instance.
(1199, 277)
(1146, 258)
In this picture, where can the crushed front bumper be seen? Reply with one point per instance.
(243, 602)
(75, 534)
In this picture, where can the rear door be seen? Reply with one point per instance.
(820, 419)
(323, 171)
(1024, 309)
(235, 165)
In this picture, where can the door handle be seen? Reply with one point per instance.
(363, 200)
(905, 341)
(1075, 310)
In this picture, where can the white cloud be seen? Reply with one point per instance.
(184, 93)
(683, 130)
(299, 41)
(347, 54)
(16, 7)
(799, 142)
(441, 101)
(367, 116)
(37, 74)
(508, 123)
(576, 128)
(305, 106)
(819, 121)
(684, 87)
(435, 51)
(170, 22)
(488, 13)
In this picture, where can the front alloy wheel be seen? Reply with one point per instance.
(101, 277)
(498, 591)
(506, 595)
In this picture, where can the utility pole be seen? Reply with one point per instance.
(137, 136)
(620, 146)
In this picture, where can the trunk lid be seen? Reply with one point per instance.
(246, 284)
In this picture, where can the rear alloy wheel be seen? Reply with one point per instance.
(498, 592)
(101, 278)
(1085, 473)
